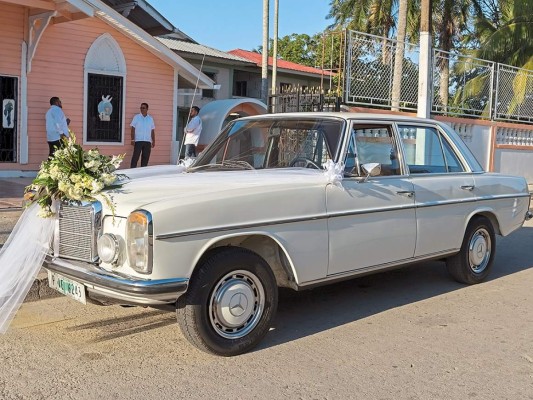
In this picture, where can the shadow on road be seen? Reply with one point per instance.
(305, 313)
(113, 328)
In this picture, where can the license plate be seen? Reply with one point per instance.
(67, 286)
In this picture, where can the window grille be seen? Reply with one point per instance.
(104, 108)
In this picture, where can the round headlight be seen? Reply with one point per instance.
(108, 248)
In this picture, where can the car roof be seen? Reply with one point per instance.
(345, 116)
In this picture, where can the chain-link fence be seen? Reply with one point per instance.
(514, 94)
(370, 71)
(461, 85)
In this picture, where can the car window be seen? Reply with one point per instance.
(275, 143)
(427, 151)
(372, 143)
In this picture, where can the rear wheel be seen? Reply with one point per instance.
(230, 303)
(473, 263)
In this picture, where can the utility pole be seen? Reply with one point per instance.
(424, 86)
(275, 48)
(264, 68)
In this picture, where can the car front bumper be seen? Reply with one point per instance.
(107, 287)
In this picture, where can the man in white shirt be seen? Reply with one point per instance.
(192, 132)
(56, 125)
(142, 136)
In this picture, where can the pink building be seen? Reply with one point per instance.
(87, 54)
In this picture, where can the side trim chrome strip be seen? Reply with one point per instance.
(173, 235)
(380, 267)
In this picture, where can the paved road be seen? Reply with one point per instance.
(406, 334)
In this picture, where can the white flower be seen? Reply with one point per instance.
(45, 212)
(74, 193)
(108, 179)
(54, 172)
(97, 186)
(63, 186)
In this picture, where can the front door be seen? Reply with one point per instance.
(372, 221)
(8, 129)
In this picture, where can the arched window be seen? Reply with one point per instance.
(104, 83)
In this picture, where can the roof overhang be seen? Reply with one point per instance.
(142, 14)
(147, 41)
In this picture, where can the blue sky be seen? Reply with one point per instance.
(231, 24)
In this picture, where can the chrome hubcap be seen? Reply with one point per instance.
(236, 304)
(479, 250)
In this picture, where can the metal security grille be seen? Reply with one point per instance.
(78, 230)
(514, 94)
(298, 99)
(104, 108)
(370, 68)
(462, 85)
(8, 128)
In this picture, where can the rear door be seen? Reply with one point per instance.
(443, 185)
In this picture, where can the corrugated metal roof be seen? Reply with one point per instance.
(194, 48)
(256, 58)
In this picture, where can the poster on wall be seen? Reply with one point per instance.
(8, 113)
(105, 108)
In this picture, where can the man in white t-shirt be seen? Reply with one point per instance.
(192, 132)
(56, 125)
(142, 136)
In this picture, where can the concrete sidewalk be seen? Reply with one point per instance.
(11, 196)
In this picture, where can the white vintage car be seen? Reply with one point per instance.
(257, 211)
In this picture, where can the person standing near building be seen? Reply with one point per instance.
(142, 136)
(56, 125)
(192, 132)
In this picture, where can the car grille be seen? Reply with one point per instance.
(78, 230)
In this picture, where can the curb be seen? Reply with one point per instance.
(40, 290)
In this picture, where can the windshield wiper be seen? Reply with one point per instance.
(226, 164)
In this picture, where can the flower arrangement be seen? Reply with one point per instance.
(75, 175)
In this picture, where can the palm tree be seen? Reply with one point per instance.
(505, 35)
(398, 57)
(377, 17)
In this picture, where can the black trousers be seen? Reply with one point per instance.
(141, 147)
(190, 150)
(52, 147)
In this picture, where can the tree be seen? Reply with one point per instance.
(398, 56)
(504, 31)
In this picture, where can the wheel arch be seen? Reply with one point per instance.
(263, 244)
(487, 213)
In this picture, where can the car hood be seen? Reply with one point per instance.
(146, 187)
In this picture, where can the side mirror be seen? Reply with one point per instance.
(371, 169)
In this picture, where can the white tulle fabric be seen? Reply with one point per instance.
(21, 258)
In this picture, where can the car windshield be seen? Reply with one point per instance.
(273, 143)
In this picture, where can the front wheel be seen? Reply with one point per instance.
(473, 263)
(230, 303)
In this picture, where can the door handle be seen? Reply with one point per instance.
(408, 193)
(468, 187)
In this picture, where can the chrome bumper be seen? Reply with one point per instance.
(106, 287)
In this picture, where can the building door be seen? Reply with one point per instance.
(8, 129)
